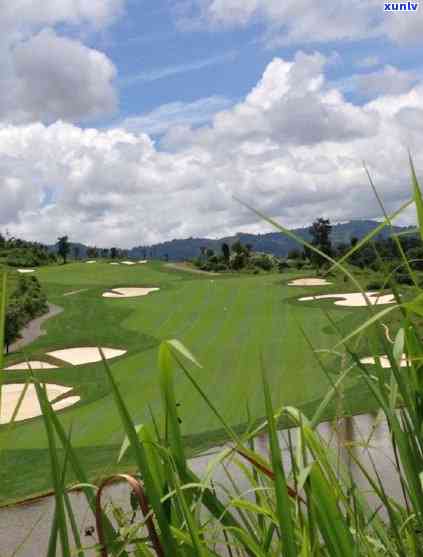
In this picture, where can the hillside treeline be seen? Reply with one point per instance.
(21, 253)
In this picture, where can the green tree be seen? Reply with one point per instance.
(237, 247)
(294, 254)
(63, 247)
(320, 232)
(226, 252)
(416, 255)
(113, 253)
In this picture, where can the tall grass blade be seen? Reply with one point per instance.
(169, 350)
(332, 525)
(81, 476)
(3, 303)
(283, 505)
(153, 495)
(417, 196)
(55, 470)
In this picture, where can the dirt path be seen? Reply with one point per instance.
(182, 267)
(73, 292)
(33, 329)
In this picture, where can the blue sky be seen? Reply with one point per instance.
(158, 63)
(134, 122)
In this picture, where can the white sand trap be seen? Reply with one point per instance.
(30, 406)
(354, 299)
(309, 282)
(384, 360)
(85, 354)
(128, 292)
(31, 365)
(114, 263)
(128, 262)
(90, 261)
(65, 402)
(143, 261)
(26, 270)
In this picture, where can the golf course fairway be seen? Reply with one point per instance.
(229, 322)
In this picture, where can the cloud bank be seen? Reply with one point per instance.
(292, 147)
(45, 76)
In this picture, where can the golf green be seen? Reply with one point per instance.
(233, 324)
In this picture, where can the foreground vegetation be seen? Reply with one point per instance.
(314, 507)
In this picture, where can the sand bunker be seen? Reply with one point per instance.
(128, 292)
(30, 406)
(309, 282)
(85, 354)
(115, 263)
(26, 270)
(128, 262)
(90, 261)
(384, 361)
(143, 261)
(355, 299)
(33, 364)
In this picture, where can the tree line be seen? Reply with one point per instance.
(16, 252)
(380, 255)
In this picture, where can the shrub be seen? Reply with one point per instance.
(262, 261)
(404, 278)
(27, 257)
(26, 302)
(374, 285)
(221, 267)
(282, 265)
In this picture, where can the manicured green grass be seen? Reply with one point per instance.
(231, 322)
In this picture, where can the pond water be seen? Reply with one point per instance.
(24, 529)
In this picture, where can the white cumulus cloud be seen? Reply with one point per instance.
(293, 151)
(306, 20)
(45, 76)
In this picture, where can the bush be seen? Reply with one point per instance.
(197, 262)
(404, 278)
(238, 261)
(26, 302)
(262, 261)
(374, 285)
(282, 265)
(27, 257)
(221, 267)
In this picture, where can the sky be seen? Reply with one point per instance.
(131, 122)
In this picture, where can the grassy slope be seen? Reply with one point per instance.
(226, 321)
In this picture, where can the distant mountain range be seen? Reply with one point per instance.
(272, 242)
(275, 243)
